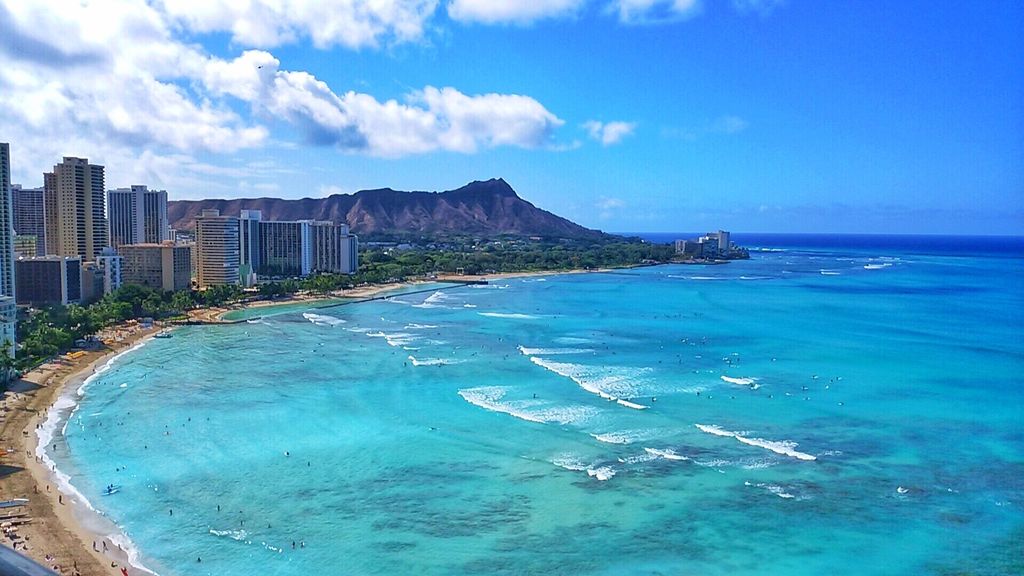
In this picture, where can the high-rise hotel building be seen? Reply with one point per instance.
(217, 249)
(286, 249)
(76, 223)
(8, 304)
(137, 215)
(28, 216)
(249, 244)
(334, 249)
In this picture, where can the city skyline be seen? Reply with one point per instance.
(628, 116)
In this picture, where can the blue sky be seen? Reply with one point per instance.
(624, 115)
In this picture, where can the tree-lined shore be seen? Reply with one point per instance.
(46, 332)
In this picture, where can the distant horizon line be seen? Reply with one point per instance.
(882, 234)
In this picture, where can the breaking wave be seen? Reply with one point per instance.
(492, 398)
(513, 316)
(323, 319)
(784, 447)
(552, 351)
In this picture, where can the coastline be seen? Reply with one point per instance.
(61, 532)
(56, 533)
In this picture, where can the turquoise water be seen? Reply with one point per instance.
(871, 424)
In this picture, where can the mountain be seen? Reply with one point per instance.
(488, 208)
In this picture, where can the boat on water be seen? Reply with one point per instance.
(163, 334)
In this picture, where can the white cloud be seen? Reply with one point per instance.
(609, 133)
(114, 81)
(103, 80)
(428, 120)
(763, 7)
(654, 11)
(730, 124)
(607, 207)
(506, 11)
(330, 190)
(327, 23)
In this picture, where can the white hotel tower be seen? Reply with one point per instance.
(217, 249)
(8, 306)
(137, 215)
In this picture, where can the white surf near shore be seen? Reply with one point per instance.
(785, 447)
(59, 414)
(509, 315)
(323, 319)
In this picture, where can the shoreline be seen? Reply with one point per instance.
(216, 314)
(57, 531)
(62, 531)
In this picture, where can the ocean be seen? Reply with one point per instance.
(834, 405)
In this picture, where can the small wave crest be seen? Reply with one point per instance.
(553, 351)
(666, 454)
(602, 473)
(750, 382)
(433, 361)
(397, 339)
(323, 319)
(609, 382)
(492, 398)
(508, 315)
(239, 535)
(784, 447)
(623, 437)
(435, 300)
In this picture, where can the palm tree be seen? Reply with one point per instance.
(7, 370)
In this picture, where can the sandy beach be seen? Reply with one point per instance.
(50, 528)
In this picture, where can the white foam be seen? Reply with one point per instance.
(784, 447)
(552, 351)
(415, 326)
(608, 382)
(739, 381)
(632, 405)
(637, 458)
(774, 489)
(666, 454)
(569, 462)
(396, 339)
(624, 437)
(824, 272)
(433, 361)
(877, 266)
(572, 340)
(433, 301)
(490, 398)
(239, 535)
(511, 316)
(323, 319)
(67, 404)
(602, 473)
